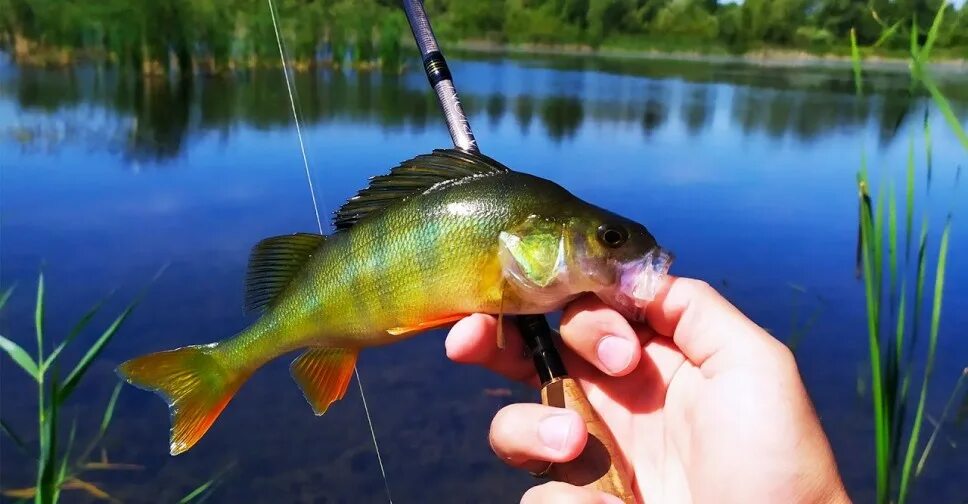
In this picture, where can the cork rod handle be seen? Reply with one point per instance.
(600, 465)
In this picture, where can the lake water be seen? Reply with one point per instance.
(746, 173)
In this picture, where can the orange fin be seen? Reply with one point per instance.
(193, 383)
(423, 326)
(323, 375)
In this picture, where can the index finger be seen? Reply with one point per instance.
(703, 324)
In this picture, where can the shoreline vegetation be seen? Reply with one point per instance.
(211, 37)
(775, 56)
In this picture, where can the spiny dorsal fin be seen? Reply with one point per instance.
(414, 176)
(273, 263)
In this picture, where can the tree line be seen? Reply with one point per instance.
(158, 35)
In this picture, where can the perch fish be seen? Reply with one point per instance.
(443, 235)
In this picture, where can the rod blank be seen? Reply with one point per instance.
(439, 75)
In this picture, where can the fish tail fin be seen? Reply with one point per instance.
(194, 383)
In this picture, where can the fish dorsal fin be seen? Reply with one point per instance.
(414, 176)
(272, 265)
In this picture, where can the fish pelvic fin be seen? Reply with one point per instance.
(323, 374)
(193, 382)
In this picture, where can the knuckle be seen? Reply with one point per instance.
(698, 287)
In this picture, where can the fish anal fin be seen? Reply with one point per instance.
(323, 374)
(272, 265)
(411, 177)
(423, 326)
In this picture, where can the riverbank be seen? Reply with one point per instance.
(767, 57)
(32, 54)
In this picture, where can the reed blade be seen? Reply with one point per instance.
(856, 63)
(868, 251)
(929, 366)
(81, 324)
(6, 296)
(21, 357)
(909, 202)
(927, 150)
(109, 409)
(95, 350)
(39, 317)
(46, 474)
(17, 440)
(925, 53)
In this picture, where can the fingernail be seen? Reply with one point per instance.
(614, 353)
(554, 430)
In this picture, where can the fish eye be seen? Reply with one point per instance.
(612, 236)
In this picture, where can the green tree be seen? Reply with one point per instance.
(686, 20)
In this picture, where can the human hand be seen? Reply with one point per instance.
(705, 405)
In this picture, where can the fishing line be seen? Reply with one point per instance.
(319, 224)
(295, 116)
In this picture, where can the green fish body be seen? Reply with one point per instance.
(442, 236)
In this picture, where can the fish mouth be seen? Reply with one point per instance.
(639, 282)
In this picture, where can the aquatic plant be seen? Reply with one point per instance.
(59, 467)
(894, 322)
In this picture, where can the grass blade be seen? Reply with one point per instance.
(201, 492)
(95, 350)
(39, 317)
(872, 298)
(82, 460)
(933, 32)
(92, 353)
(892, 240)
(919, 286)
(17, 440)
(941, 102)
(78, 327)
(927, 150)
(878, 246)
(48, 451)
(932, 349)
(6, 296)
(197, 492)
(109, 409)
(914, 37)
(909, 201)
(898, 384)
(888, 34)
(20, 356)
(855, 60)
(65, 462)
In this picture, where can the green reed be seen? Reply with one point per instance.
(60, 467)
(893, 322)
(57, 468)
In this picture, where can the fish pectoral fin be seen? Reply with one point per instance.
(533, 256)
(323, 375)
(423, 326)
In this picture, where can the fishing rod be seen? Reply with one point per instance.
(600, 465)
